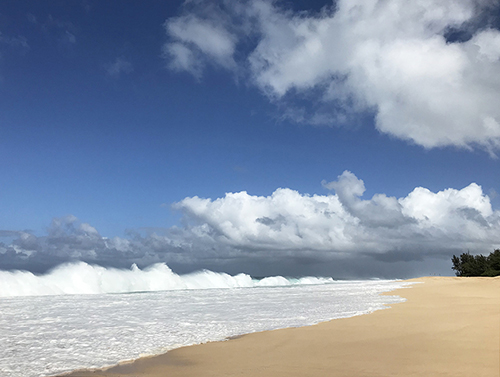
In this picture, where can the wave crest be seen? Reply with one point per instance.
(83, 278)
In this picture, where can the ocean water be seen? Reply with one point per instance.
(82, 316)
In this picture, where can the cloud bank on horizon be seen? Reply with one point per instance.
(429, 71)
(286, 226)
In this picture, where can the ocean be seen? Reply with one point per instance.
(83, 316)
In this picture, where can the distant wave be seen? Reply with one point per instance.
(82, 278)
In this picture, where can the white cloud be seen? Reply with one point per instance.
(69, 38)
(183, 59)
(391, 57)
(345, 223)
(64, 32)
(488, 42)
(193, 37)
(118, 67)
(286, 220)
(17, 42)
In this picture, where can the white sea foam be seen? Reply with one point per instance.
(55, 332)
(82, 278)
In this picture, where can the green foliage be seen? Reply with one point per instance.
(479, 265)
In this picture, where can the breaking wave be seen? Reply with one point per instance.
(82, 278)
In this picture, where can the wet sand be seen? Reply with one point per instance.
(447, 327)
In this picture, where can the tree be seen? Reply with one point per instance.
(494, 263)
(479, 265)
(457, 265)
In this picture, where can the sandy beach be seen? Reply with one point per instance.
(447, 327)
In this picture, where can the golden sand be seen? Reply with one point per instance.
(447, 327)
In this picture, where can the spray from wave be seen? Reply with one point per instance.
(82, 278)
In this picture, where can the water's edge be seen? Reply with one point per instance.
(387, 305)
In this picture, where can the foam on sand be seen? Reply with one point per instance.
(48, 334)
(447, 327)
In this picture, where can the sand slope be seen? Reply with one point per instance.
(448, 327)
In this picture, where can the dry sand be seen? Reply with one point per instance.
(447, 327)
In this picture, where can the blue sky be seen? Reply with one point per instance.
(115, 117)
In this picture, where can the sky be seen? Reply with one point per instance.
(352, 139)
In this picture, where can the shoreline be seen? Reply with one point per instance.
(447, 326)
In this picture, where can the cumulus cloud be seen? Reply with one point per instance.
(407, 62)
(345, 223)
(285, 228)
